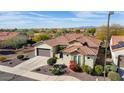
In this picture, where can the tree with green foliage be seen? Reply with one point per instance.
(40, 37)
(91, 31)
(15, 42)
(115, 29)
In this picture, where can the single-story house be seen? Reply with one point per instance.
(117, 50)
(81, 49)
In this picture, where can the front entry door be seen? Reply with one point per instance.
(77, 59)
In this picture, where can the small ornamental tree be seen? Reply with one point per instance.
(114, 76)
(98, 69)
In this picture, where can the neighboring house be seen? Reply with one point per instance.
(7, 35)
(117, 50)
(81, 49)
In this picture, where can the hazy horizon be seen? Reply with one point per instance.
(57, 19)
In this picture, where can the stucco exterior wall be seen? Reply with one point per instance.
(66, 58)
(84, 60)
(115, 55)
(90, 61)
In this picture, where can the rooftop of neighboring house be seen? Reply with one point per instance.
(7, 35)
(117, 42)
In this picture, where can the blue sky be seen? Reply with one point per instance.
(57, 19)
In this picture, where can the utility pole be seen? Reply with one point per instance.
(107, 41)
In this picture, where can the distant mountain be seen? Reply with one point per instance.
(88, 27)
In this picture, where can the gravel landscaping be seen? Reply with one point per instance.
(82, 76)
(11, 62)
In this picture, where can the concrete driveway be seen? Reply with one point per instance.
(32, 63)
(25, 69)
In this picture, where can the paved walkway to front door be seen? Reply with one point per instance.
(25, 68)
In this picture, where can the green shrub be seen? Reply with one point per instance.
(20, 57)
(51, 61)
(60, 65)
(98, 69)
(113, 68)
(114, 76)
(110, 67)
(87, 69)
(78, 68)
(107, 68)
(57, 70)
(3, 58)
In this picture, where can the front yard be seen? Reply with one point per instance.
(79, 75)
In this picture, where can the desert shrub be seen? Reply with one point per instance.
(98, 69)
(38, 69)
(57, 70)
(87, 69)
(74, 67)
(114, 76)
(107, 68)
(51, 61)
(3, 58)
(110, 67)
(78, 68)
(60, 65)
(20, 57)
(113, 68)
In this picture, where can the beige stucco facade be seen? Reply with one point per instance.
(87, 60)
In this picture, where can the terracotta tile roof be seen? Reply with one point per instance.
(7, 35)
(91, 48)
(63, 40)
(117, 39)
(83, 50)
(91, 41)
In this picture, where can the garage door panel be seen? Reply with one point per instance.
(43, 52)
